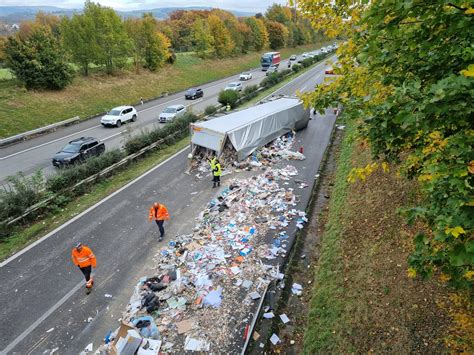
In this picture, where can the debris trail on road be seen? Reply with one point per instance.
(208, 282)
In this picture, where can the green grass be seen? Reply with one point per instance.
(6, 74)
(22, 237)
(326, 315)
(22, 110)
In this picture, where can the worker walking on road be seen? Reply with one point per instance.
(217, 172)
(84, 258)
(159, 213)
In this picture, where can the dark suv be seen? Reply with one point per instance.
(77, 151)
(193, 93)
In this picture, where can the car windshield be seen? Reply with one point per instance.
(191, 91)
(169, 110)
(232, 85)
(267, 59)
(114, 113)
(245, 73)
(71, 148)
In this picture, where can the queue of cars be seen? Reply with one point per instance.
(78, 150)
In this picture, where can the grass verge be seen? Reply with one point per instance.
(22, 237)
(324, 319)
(24, 110)
(363, 300)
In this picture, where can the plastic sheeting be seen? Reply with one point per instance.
(251, 128)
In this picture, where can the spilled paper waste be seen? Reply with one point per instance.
(207, 283)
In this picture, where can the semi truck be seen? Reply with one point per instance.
(270, 59)
(247, 130)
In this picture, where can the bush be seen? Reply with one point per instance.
(270, 81)
(69, 176)
(284, 73)
(296, 67)
(21, 193)
(148, 137)
(228, 97)
(249, 92)
(210, 110)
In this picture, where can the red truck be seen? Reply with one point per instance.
(269, 59)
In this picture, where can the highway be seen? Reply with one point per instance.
(36, 153)
(44, 306)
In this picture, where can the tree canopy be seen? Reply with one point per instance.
(406, 76)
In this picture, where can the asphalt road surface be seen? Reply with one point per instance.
(44, 305)
(35, 154)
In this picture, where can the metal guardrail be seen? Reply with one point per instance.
(89, 179)
(26, 135)
(105, 171)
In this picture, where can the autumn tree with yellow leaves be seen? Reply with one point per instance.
(406, 75)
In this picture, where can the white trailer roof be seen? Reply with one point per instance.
(238, 119)
(250, 128)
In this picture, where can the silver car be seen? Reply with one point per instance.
(172, 112)
(236, 86)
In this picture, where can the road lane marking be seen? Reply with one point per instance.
(46, 143)
(13, 257)
(33, 326)
(144, 110)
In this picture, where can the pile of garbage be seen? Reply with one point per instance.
(266, 156)
(207, 284)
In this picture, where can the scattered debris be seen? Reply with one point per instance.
(205, 283)
(284, 318)
(274, 339)
(297, 289)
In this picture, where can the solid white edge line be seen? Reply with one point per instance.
(42, 239)
(2, 264)
(33, 326)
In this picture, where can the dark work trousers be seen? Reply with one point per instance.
(87, 272)
(216, 180)
(160, 227)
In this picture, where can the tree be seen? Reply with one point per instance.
(38, 60)
(156, 44)
(406, 72)
(259, 33)
(79, 38)
(110, 37)
(277, 34)
(280, 14)
(203, 38)
(133, 27)
(223, 44)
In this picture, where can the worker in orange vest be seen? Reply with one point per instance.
(84, 258)
(159, 213)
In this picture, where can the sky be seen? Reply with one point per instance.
(241, 5)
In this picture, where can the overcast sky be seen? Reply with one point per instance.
(241, 5)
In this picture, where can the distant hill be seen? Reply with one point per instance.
(16, 14)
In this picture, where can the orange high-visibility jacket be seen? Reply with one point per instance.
(159, 213)
(83, 258)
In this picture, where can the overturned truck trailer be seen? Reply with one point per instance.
(249, 129)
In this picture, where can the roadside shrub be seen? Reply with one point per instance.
(270, 81)
(296, 68)
(69, 176)
(284, 73)
(307, 62)
(250, 92)
(210, 110)
(21, 193)
(148, 137)
(228, 97)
